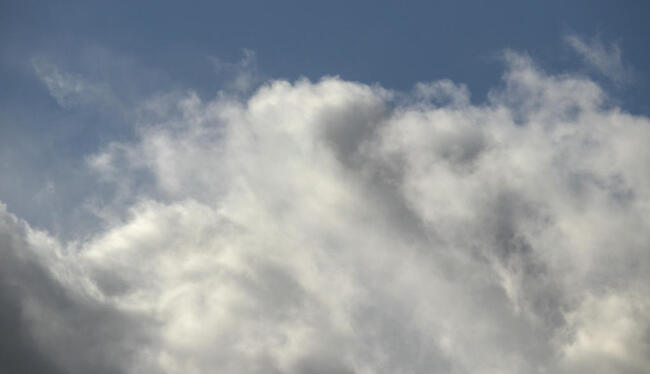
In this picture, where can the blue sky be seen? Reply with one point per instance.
(394, 44)
(338, 187)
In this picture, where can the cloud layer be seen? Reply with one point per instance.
(336, 227)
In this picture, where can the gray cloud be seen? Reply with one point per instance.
(325, 227)
(51, 325)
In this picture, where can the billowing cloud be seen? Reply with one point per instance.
(336, 227)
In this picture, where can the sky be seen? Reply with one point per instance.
(332, 187)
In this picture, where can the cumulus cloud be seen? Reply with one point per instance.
(328, 227)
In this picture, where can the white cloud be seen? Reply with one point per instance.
(321, 227)
(243, 75)
(69, 89)
(605, 59)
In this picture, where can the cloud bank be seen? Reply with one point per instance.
(337, 227)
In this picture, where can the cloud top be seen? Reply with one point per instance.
(332, 227)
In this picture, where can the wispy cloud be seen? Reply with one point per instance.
(241, 76)
(69, 89)
(606, 59)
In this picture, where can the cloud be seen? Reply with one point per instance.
(242, 76)
(53, 323)
(69, 89)
(607, 60)
(330, 227)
